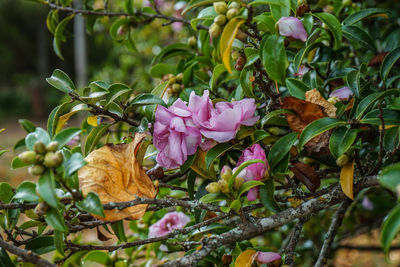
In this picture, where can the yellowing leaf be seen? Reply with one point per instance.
(225, 44)
(346, 179)
(246, 258)
(63, 120)
(92, 120)
(2, 130)
(199, 165)
(114, 173)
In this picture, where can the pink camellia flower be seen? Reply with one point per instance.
(175, 135)
(343, 93)
(367, 204)
(221, 122)
(267, 257)
(302, 70)
(292, 27)
(254, 171)
(170, 221)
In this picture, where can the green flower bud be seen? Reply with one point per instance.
(213, 187)
(176, 88)
(39, 159)
(41, 209)
(39, 147)
(346, 2)
(234, 4)
(192, 41)
(233, 12)
(215, 30)
(223, 186)
(36, 170)
(52, 160)
(27, 157)
(342, 160)
(239, 181)
(60, 157)
(52, 146)
(226, 173)
(220, 20)
(235, 55)
(220, 7)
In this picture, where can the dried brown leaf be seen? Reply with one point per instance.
(307, 175)
(114, 173)
(314, 96)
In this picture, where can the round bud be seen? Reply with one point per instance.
(239, 181)
(226, 173)
(176, 88)
(213, 187)
(51, 160)
(41, 208)
(346, 2)
(192, 41)
(179, 77)
(235, 55)
(342, 160)
(220, 20)
(39, 147)
(220, 7)
(232, 12)
(27, 157)
(36, 170)
(223, 186)
(60, 157)
(240, 35)
(234, 4)
(329, 9)
(226, 259)
(215, 30)
(39, 159)
(52, 146)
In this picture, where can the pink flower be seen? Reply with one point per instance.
(343, 93)
(222, 122)
(367, 204)
(170, 221)
(302, 70)
(267, 257)
(254, 171)
(292, 27)
(175, 135)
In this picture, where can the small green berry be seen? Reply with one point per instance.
(27, 157)
(232, 12)
(220, 20)
(213, 187)
(234, 4)
(39, 147)
(179, 77)
(192, 41)
(215, 30)
(36, 170)
(342, 160)
(52, 146)
(220, 7)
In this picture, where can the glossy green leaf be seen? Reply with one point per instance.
(5, 260)
(38, 135)
(55, 114)
(197, 3)
(281, 148)
(272, 114)
(94, 137)
(116, 90)
(119, 231)
(246, 83)
(17, 163)
(54, 219)
(212, 197)
(359, 36)
(147, 99)
(216, 152)
(390, 228)
(66, 135)
(26, 191)
(47, 190)
(353, 81)
(61, 81)
(341, 140)
(226, 41)
(241, 167)
(267, 2)
(59, 241)
(191, 182)
(282, 10)
(60, 37)
(391, 138)
(267, 198)
(6, 192)
(318, 127)
(92, 204)
(333, 25)
(188, 163)
(297, 88)
(273, 57)
(389, 62)
(27, 125)
(248, 185)
(370, 100)
(298, 59)
(98, 257)
(41, 245)
(161, 69)
(217, 71)
(389, 177)
(362, 14)
(73, 164)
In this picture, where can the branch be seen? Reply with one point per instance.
(330, 236)
(293, 240)
(262, 225)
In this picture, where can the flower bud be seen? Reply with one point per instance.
(226, 173)
(220, 20)
(342, 160)
(36, 170)
(60, 157)
(235, 55)
(302, 8)
(39, 147)
(333, 100)
(39, 159)
(215, 30)
(223, 186)
(240, 62)
(213, 187)
(239, 181)
(232, 12)
(52, 146)
(41, 208)
(52, 160)
(234, 4)
(192, 41)
(27, 157)
(179, 77)
(226, 259)
(220, 7)
(176, 88)
(329, 9)
(346, 2)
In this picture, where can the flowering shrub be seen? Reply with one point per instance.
(294, 105)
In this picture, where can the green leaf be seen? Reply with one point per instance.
(216, 152)
(17, 163)
(47, 190)
(147, 99)
(390, 228)
(173, 50)
(359, 36)
(118, 228)
(389, 62)
(362, 14)
(197, 3)
(217, 71)
(273, 57)
(2, 152)
(389, 177)
(341, 140)
(116, 90)
(318, 127)
(61, 81)
(272, 114)
(368, 101)
(66, 135)
(55, 114)
(226, 41)
(159, 70)
(353, 81)
(267, 198)
(191, 182)
(27, 125)
(94, 137)
(92, 204)
(298, 59)
(38, 135)
(73, 164)
(26, 191)
(282, 10)
(98, 257)
(5, 260)
(41, 245)
(246, 83)
(391, 138)
(6, 193)
(188, 163)
(54, 218)
(266, 2)
(241, 167)
(59, 241)
(212, 197)
(333, 25)
(248, 185)
(281, 148)
(297, 88)
(60, 37)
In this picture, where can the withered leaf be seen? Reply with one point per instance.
(377, 59)
(114, 173)
(314, 96)
(307, 175)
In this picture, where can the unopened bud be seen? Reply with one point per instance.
(342, 160)
(302, 9)
(52, 146)
(41, 208)
(60, 157)
(223, 186)
(235, 55)
(176, 88)
(220, 20)
(329, 9)
(27, 157)
(234, 4)
(232, 12)
(52, 160)
(240, 62)
(39, 147)
(333, 100)
(213, 187)
(239, 181)
(36, 170)
(220, 7)
(215, 30)
(346, 2)
(179, 77)
(226, 173)
(192, 41)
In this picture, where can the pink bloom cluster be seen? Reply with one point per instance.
(254, 171)
(267, 257)
(178, 130)
(170, 221)
(292, 27)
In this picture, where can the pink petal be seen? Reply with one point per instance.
(343, 93)
(252, 194)
(292, 27)
(267, 257)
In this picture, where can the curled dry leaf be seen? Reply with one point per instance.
(314, 96)
(307, 175)
(115, 174)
